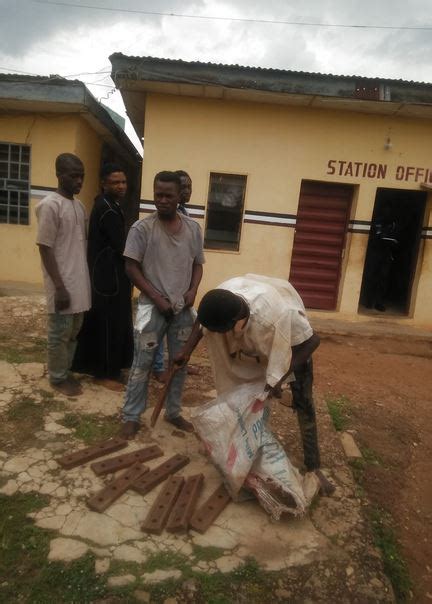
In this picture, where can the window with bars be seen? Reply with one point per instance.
(14, 183)
(224, 211)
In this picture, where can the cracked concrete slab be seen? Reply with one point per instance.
(331, 532)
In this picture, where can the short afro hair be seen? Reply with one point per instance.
(108, 169)
(219, 310)
(167, 176)
(65, 160)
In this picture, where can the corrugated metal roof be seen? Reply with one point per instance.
(270, 70)
(56, 89)
(39, 79)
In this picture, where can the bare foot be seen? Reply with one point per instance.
(326, 487)
(193, 370)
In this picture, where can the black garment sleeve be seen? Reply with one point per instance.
(111, 225)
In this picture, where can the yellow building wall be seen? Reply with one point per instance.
(277, 147)
(48, 136)
(88, 147)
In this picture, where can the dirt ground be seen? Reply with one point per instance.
(388, 382)
(387, 385)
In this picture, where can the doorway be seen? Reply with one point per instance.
(392, 250)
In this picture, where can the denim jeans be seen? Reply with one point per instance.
(146, 343)
(159, 365)
(62, 341)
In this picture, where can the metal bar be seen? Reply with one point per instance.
(123, 461)
(146, 483)
(158, 515)
(160, 403)
(104, 498)
(185, 505)
(71, 460)
(204, 517)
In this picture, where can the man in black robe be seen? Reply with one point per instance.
(105, 343)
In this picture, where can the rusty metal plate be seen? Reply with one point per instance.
(160, 510)
(124, 461)
(78, 458)
(185, 505)
(102, 500)
(204, 517)
(146, 483)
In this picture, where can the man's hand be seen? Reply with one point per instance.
(164, 307)
(189, 298)
(274, 391)
(181, 359)
(61, 299)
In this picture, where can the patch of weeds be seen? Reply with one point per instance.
(207, 554)
(165, 561)
(166, 589)
(358, 467)
(27, 575)
(122, 567)
(21, 421)
(395, 566)
(338, 409)
(74, 582)
(371, 457)
(25, 408)
(46, 394)
(12, 352)
(23, 546)
(220, 588)
(91, 428)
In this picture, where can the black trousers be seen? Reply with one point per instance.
(303, 405)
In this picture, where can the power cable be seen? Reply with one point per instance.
(237, 19)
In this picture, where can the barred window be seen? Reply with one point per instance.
(14, 183)
(224, 211)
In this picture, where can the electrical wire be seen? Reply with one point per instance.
(237, 19)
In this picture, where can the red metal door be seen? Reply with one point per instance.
(319, 240)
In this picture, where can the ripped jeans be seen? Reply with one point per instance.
(146, 343)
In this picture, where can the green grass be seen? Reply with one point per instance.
(25, 408)
(91, 428)
(27, 575)
(339, 410)
(358, 467)
(395, 566)
(207, 554)
(166, 561)
(12, 352)
(371, 457)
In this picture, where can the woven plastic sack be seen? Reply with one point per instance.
(233, 428)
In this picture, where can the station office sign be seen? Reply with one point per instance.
(378, 171)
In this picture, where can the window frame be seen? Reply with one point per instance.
(4, 180)
(245, 176)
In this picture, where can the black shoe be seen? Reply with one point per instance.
(129, 430)
(181, 423)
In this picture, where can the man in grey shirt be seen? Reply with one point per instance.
(164, 258)
(62, 241)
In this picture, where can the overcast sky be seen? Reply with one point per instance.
(52, 39)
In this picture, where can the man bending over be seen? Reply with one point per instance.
(256, 329)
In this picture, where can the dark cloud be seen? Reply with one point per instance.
(25, 22)
(27, 27)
